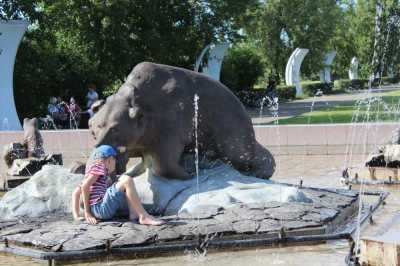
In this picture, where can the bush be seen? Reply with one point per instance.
(390, 80)
(241, 68)
(286, 92)
(112, 88)
(347, 84)
(311, 87)
(254, 97)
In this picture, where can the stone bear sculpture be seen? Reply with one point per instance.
(33, 140)
(151, 116)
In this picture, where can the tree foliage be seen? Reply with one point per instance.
(280, 26)
(73, 42)
(241, 68)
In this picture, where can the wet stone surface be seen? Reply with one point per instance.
(60, 233)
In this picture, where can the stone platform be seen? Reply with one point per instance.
(58, 237)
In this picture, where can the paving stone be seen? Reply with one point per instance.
(285, 213)
(168, 234)
(42, 239)
(115, 230)
(244, 213)
(99, 234)
(245, 226)
(22, 229)
(290, 225)
(6, 224)
(211, 226)
(328, 214)
(269, 225)
(133, 239)
(83, 243)
(321, 215)
(204, 212)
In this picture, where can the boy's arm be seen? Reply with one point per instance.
(76, 197)
(87, 182)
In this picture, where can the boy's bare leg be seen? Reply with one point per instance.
(126, 184)
(76, 196)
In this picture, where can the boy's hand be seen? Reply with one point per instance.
(90, 218)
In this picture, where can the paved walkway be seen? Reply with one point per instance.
(297, 107)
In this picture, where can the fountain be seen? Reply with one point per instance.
(209, 197)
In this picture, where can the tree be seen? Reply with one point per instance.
(281, 26)
(241, 67)
(343, 40)
(72, 42)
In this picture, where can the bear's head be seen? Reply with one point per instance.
(118, 123)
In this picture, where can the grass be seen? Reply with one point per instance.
(385, 109)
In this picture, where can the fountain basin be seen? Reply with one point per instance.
(307, 214)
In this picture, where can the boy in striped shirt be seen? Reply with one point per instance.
(101, 199)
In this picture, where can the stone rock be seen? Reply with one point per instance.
(30, 166)
(12, 151)
(49, 191)
(77, 168)
(25, 167)
(225, 187)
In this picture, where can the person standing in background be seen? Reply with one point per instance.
(92, 95)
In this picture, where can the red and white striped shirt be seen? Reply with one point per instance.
(98, 188)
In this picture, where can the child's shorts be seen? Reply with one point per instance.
(114, 201)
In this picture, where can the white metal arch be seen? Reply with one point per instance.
(353, 70)
(325, 74)
(292, 72)
(215, 58)
(11, 33)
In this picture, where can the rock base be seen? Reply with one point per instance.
(253, 221)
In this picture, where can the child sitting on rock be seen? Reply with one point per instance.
(102, 201)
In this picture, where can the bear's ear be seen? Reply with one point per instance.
(97, 105)
(35, 122)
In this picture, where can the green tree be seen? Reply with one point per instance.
(72, 42)
(280, 26)
(343, 40)
(241, 68)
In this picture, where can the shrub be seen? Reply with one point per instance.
(390, 80)
(241, 68)
(347, 84)
(112, 88)
(287, 92)
(253, 97)
(311, 87)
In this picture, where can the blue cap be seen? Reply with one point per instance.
(103, 151)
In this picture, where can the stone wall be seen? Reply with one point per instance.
(284, 140)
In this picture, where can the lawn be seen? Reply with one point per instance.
(380, 109)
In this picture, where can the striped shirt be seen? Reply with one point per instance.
(98, 188)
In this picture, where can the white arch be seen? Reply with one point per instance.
(11, 35)
(200, 58)
(325, 74)
(215, 57)
(353, 70)
(292, 72)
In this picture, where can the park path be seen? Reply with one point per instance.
(297, 107)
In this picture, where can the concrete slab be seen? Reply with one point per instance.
(383, 249)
